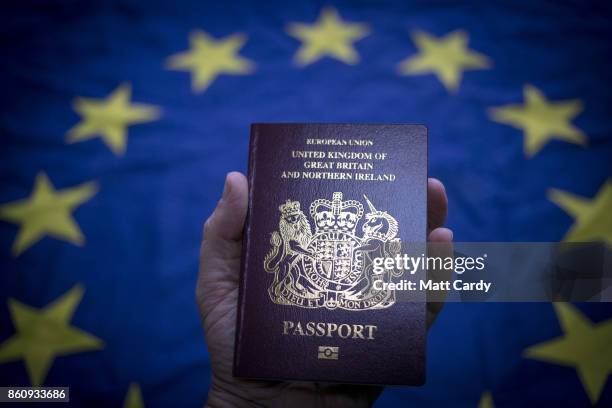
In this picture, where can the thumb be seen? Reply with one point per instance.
(227, 221)
(221, 246)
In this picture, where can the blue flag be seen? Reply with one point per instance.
(120, 119)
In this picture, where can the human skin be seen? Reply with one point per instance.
(217, 299)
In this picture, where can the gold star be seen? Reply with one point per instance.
(593, 220)
(109, 118)
(47, 212)
(541, 120)
(329, 36)
(584, 346)
(43, 334)
(486, 401)
(133, 398)
(207, 58)
(446, 57)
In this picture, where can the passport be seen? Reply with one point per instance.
(324, 201)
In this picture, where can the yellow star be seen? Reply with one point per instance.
(133, 398)
(47, 212)
(43, 334)
(584, 346)
(486, 401)
(541, 120)
(329, 36)
(109, 118)
(207, 58)
(447, 57)
(593, 220)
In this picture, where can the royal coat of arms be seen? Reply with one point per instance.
(332, 267)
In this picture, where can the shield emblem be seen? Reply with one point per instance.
(334, 255)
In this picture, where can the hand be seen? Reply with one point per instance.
(217, 297)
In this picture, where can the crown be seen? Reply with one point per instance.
(336, 215)
(290, 208)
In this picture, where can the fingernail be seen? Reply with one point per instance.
(437, 181)
(227, 187)
(449, 232)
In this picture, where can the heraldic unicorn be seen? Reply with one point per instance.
(331, 267)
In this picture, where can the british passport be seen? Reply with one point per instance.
(325, 200)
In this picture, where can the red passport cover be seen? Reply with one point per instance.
(324, 200)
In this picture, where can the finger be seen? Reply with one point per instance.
(221, 246)
(441, 235)
(440, 245)
(437, 204)
(227, 221)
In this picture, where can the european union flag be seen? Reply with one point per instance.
(120, 119)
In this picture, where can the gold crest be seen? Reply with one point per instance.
(332, 267)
